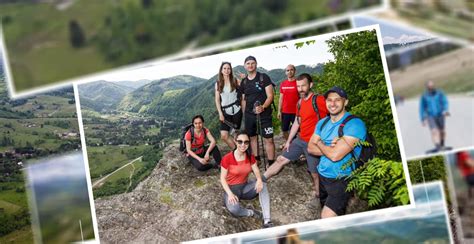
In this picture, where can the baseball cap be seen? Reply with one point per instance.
(337, 90)
(250, 58)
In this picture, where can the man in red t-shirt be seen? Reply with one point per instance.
(289, 96)
(305, 121)
(466, 166)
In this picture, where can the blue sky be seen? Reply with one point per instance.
(392, 33)
(51, 169)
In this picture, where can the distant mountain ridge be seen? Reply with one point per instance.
(394, 46)
(177, 97)
(133, 84)
(101, 95)
(150, 94)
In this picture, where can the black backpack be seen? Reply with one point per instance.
(315, 107)
(184, 130)
(244, 81)
(367, 153)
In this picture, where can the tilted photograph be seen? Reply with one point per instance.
(246, 140)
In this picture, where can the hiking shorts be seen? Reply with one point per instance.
(470, 180)
(333, 194)
(286, 121)
(235, 119)
(436, 122)
(251, 125)
(298, 147)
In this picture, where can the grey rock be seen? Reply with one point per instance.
(178, 203)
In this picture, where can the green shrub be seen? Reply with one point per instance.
(381, 183)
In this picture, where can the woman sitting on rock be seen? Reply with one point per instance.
(198, 152)
(235, 169)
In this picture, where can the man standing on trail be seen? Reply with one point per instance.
(433, 110)
(257, 98)
(289, 97)
(312, 108)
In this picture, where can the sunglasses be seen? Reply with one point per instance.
(240, 142)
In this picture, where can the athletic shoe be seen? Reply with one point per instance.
(269, 224)
(257, 214)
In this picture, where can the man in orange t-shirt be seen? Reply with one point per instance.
(305, 121)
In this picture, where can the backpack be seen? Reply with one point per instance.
(184, 130)
(367, 153)
(244, 81)
(231, 105)
(315, 106)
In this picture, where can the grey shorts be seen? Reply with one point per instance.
(297, 148)
(436, 122)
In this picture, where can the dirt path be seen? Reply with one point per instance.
(459, 126)
(65, 4)
(98, 182)
(130, 178)
(438, 69)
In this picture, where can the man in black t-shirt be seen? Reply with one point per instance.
(257, 90)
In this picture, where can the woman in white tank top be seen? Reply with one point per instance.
(227, 100)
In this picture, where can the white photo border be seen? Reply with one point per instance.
(291, 42)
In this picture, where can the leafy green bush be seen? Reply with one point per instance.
(380, 182)
(357, 68)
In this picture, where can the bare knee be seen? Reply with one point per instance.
(224, 135)
(282, 161)
(327, 213)
(268, 140)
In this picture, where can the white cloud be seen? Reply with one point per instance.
(404, 39)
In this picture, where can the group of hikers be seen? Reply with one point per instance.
(317, 127)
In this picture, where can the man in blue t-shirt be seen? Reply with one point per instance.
(433, 110)
(335, 152)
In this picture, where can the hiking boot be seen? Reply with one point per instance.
(269, 224)
(315, 203)
(302, 158)
(256, 213)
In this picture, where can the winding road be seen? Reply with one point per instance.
(101, 180)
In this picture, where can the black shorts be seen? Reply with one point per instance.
(286, 121)
(251, 125)
(235, 120)
(470, 180)
(332, 193)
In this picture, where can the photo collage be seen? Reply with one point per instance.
(237, 121)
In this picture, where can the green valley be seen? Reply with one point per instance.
(123, 121)
(31, 127)
(93, 36)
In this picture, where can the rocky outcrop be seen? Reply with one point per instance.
(177, 203)
(466, 213)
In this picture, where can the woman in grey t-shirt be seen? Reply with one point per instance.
(227, 101)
